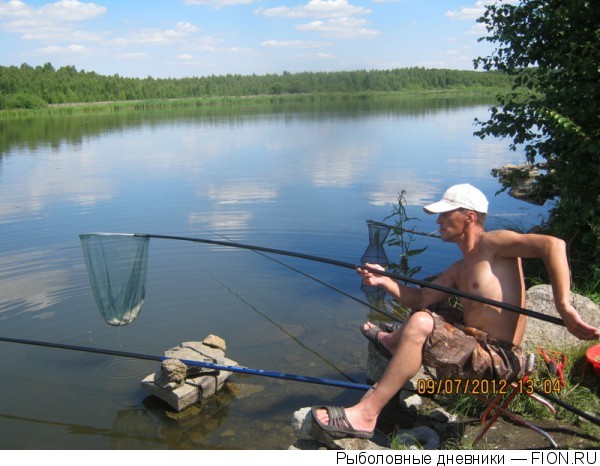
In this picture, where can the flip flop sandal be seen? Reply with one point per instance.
(372, 334)
(338, 426)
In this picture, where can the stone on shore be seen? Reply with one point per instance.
(546, 334)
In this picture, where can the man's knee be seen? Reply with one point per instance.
(419, 325)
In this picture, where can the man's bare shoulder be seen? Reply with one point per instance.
(512, 244)
(501, 238)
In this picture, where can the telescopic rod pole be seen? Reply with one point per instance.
(190, 362)
(348, 265)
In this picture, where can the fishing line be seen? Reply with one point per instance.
(324, 283)
(329, 363)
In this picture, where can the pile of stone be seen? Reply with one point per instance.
(181, 385)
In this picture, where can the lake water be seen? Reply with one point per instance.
(302, 180)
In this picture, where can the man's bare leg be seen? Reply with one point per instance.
(406, 346)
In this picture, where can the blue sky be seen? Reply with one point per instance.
(178, 38)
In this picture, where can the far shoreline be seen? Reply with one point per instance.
(486, 94)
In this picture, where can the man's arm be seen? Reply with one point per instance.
(552, 251)
(412, 297)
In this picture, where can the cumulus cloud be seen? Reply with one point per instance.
(333, 19)
(68, 50)
(340, 28)
(315, 9)
(294, 44)
(51, 21)
(218, 3)
(71, 10)
(155, 36)
(61, 11)
(133, 56)
(475, 11)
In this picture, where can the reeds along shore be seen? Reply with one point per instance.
(328, 100)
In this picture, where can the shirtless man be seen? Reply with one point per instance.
(491, 268)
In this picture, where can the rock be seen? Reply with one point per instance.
(441, 415)
(215, 342)
(244, 390)
(542, 333)
(310, 436)
(195, 351)
(418, 438)
(171, 375)
(302, 424)
(523, 181)
(409, 401)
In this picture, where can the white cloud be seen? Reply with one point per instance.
(185, 26)
(133, 56)
(49, 22)
(315, 9)
(335, 19)
(63, 10)
(154, 36)
(218, 3)
(71, 10)
(294, 44)
(340, 28)
(68, 50)
(475, 11)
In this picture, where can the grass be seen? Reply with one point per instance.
(329, 100)
(581, 391)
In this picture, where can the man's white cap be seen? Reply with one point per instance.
(460, 196)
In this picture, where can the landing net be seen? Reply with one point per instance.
(117, 266)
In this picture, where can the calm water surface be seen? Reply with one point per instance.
(299, 180)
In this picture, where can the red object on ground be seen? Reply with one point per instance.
(593, 356)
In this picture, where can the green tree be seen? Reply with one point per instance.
(552, 50)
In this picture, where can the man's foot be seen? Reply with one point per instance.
(378, 337)
(336, 421)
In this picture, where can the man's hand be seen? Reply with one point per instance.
(577, 327)
(370, 278)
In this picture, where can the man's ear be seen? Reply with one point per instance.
(471, 217)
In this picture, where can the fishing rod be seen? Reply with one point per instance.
(567, 406)
(348, 265)
(189, 362)
(246, 370)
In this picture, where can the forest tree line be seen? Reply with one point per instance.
(36, 87)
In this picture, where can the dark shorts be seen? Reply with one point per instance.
(461, 352)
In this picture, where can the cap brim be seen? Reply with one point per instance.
(439, 207)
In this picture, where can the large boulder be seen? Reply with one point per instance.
(542, 333)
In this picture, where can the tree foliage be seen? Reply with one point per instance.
(551, 48)
(44, 85)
